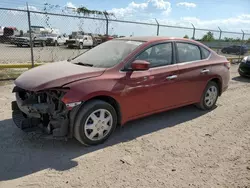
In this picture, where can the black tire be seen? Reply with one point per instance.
(242, 75)
(202, 104)
(81, 46)
(82, 117)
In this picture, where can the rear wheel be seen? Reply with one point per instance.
(95, 122)
(209, 97)
(43, 44)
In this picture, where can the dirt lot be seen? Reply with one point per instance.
(13, 54)
(180, 148)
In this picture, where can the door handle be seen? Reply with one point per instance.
(171, 77)
(205, 71)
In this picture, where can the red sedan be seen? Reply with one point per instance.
(115, 82)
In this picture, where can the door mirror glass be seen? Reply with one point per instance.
(140, 65)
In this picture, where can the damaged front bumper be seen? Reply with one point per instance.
(44, 111)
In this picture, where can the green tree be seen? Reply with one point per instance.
(208, 37)
(228, 39)
(238, 39)
(186, 37)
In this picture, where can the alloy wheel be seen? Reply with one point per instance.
(211, 96)
(98, 124)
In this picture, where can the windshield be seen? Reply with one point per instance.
(107, 54)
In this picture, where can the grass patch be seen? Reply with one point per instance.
(10, 74)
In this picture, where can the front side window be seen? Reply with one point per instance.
(157, 55)
(188, 52)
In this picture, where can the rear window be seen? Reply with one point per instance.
(205, 53)
(188, 52)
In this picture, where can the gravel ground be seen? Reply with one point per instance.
(185, 147)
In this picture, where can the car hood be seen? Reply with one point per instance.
(55, 75)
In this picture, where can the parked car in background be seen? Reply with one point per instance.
(80, 41)
(244, 67)
(118, 81)
(51, 39)
(24, 40)
(1, 30)
(235, 49)
(8, 33)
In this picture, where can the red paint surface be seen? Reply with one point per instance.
(138, 93)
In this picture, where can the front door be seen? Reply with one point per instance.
(164, 89)
(134, 87)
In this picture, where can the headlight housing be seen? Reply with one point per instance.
(245, 59)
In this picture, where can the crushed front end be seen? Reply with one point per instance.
(44, 110)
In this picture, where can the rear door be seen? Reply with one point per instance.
(194, 70)
(234, 49)
(61, 39)
(85, 40)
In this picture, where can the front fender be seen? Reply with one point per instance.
(84, 90)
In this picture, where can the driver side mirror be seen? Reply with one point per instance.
(140, 65)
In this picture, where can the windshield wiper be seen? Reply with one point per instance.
(85, 64)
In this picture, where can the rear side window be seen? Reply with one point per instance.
(188, 52)
(205, 53)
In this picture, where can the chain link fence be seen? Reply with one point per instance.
(25, 38)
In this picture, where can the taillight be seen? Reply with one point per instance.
(227, 64)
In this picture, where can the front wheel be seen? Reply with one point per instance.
(95, 122)
(209, 97)
(81, 46)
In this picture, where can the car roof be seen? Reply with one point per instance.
(152, 38)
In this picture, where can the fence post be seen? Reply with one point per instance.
(219, 38)
(193, 31)
(242, 41)
(31, 41)
(107, 23)
(158, 26)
